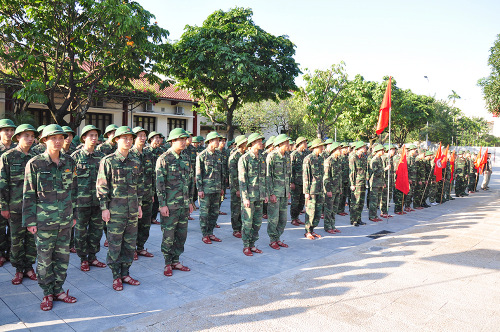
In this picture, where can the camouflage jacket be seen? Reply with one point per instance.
(344, 160)
(332, 178)
(119, 184)
(50, 191)
(233, 171)
(412, 168)
(38, 148)
(173, 179)
(377, 178)
(312, 174)
(209, 176)
(297, 159)
(12, 169)
(460, 167)
(472, 167)
(106, 148)
(87, 165)
(146, 160)
(388, 161)
(278, 174)
(252, 177)
(4, 149)
(420, 166)
(358, 168)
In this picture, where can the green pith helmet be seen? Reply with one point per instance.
(359, 145)
(7, 123)
(40, 129)
(329, 141)
(196, 139)
(23, 128)
(229, 143)
(67, 129)
(123, 130)
(377, 148)
(187, 132)
(177, 133)
(335, 145)
(300, 140)
(411, 147)
(270, 141)
(344, 144)
(212, 135)
(101, 138)
(281, 138)
(138, 129)
(109, 129)
(153, 134)
(53, 129)
(317, 142)
(429, 153)
(201, 139)
(254, 137)
(88, 128)
(240, 140)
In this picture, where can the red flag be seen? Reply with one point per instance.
(452, 163)
(444, 158)
(437, 164)
(477, 162)
(484, 160)
(383, 118)
(402, 182)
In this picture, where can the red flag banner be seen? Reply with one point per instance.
(477, 162)
(444, 158)
(452, 163)
(402, 182)
(437, 164)
(383, 118)
(483, 162)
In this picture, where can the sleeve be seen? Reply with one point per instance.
(29, 196)
(4, 183)
(74, 192)
(270, 174)
(161, 176)
(327, 179)
(102, 184)
(141, 185)
(242, 179)
(233, 172)
(306, 176)
(352, 172)
(199, 172)
(293, 161)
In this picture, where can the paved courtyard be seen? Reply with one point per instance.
(438, 267)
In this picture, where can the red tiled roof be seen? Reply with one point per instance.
(171, 92)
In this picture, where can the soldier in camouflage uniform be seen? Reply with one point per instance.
(431, 178)
(447, 180)
(472, 175)
(68, 147)
(358, 169)
(156, 149)
(278, 187)
(210, 184)
(190, 154)
(312, 176)
(412, 176)
(461, 175)
(332, 186)
(109, 146)
(39, 147)
(420, 181)
(377, 181)
(387, 160)
(253, 191)
(241, 144)
(269, 147)
(120, 190)
(146, 159)
(12, 168)
(346, 190)
(296, 183)
(173, 181)
(7, 129)
(49, 211)
(88, 228)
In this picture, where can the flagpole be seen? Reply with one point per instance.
(390, 166)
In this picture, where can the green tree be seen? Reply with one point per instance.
(229, 61)
(66, 53)
(491, 84)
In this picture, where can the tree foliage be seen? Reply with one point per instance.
(491, 84)
(66, 53)
(228, 61)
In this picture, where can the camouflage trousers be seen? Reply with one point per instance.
(154, 208)
(447, 188)
(346, 193)
(314, 207)
(276, 222)
(174, 229)
(251, 218)
(409, 197)
(330, 207)
(4, 237)
(235, 212)
(383, 203)
(264, 208)
(418, 194)
(144, 223)
(375, 201)
(432, 192)
(398, 200)
(472, 182)
(122, 238)
(52, 254)
(298, 201)
(209, 212)
(23, 248)
(459, 185)
(88, 232)
(357, 203)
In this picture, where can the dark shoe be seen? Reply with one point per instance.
(274, 245)
(361, 223)
(206, 240)
(167, 271)
(247, 251)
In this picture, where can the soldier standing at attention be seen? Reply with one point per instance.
(146, 159)
(88, 228)
(173, 178)
(296, 183)
(460, 175)
(357, 180)
(109, 146)
(412, 176)
(269, 147)
(191, 153)
(7, 129)
(39, 147)
(12, 168)
(387, 160)
(312, 176)
(377, 181)
(420, 180)
(241, 145)
(332, 186)
(68, 146)
(120, 189)
(488, 170)
(253, 190)
(210, 184)
(225, 180)
(346, 191)
(156, 149)
(49, 212)
(278, 188)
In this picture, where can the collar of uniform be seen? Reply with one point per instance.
(19, 149)
(250, 152)
(120, 156)
(46, 157)
(172, 151)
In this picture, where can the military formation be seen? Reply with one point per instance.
(59, 193)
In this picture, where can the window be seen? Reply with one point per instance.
(148, 107)
(99, 120)
(176, 123)
(146, 122)
(98, 103)
(41, 116)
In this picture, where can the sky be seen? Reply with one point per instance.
(447, 41)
